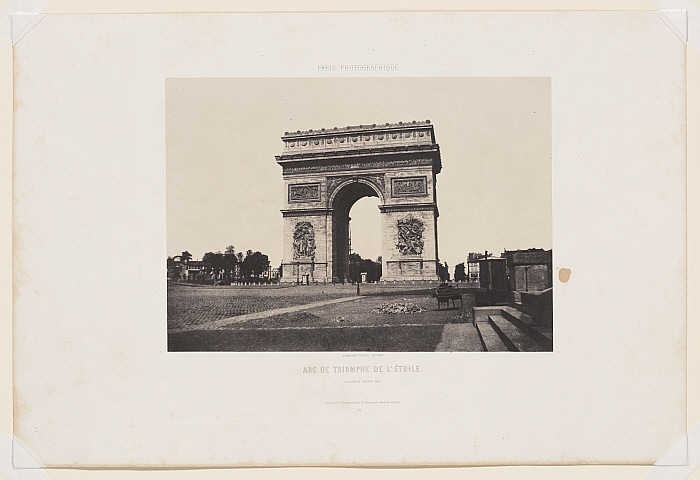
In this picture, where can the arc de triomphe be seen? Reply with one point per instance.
(326, 171)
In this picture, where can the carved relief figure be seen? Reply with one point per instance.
(409, 186)
(387, 163)
(304, 243)
(303, 192)
(409, 236)
(377, 180)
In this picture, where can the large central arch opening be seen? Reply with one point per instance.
(342, 202)
(366, 240)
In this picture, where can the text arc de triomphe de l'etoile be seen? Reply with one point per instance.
(326, 171)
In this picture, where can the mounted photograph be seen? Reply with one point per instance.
(362, 239)
(359, 214)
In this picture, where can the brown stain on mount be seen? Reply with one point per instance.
(564, 274)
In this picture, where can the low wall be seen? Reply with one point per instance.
(539, 306)
(492, 297)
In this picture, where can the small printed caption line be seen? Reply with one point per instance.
(362, 402)
(369, 67)
(364, 369)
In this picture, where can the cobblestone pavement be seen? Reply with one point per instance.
(191, 306)
(312, 318)
(361, 313)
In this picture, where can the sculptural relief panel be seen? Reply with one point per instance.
(333, 182)
(410, 162)
(304, 243)
(310, 192)
(409, 187)
(409, 235)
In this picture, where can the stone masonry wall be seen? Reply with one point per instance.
(391, 256)
(315, 267)
(397, 161)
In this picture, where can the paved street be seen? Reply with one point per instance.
(315, 318)
(191, 305)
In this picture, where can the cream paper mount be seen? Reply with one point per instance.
(94, 383)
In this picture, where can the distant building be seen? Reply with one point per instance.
(177, 266)
(528, 270)
(182, 267)
(195, 269)
(473, 266)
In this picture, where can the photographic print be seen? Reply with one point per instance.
(370, 239)
(363, 214)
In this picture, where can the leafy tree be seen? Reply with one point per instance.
(230, 261)
(254, 264)
(173, 269)
(354, 263)
(460, 274)
(359, 265)
(372, 268)
(214, 263)
(443, 272)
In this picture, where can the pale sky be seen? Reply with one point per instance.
(225, 188)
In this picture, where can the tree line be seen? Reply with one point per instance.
(460, 274)
(222, 268)
(358, 265)
(254, 267)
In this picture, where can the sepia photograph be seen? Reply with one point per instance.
(383, 214)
